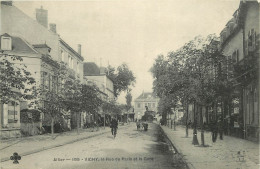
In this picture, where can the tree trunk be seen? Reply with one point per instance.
(104, 120)
(195, 139)
(77, 119)
(174, 118)
(52, 125)
(202, 127)
(187, 118)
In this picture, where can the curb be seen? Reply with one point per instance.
(178, 150)
(54, 146)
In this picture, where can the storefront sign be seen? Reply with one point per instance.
(236, 125)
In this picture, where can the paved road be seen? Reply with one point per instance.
(131, 149)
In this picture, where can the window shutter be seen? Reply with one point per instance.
(237, 55)
(50, 82)
(246, 47)
(42, 79)
(234, 57)
(257, 40)
(253, 39)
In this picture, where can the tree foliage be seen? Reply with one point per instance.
(128, 98)
(15, 81)
(196, 73)
(90, 101)
(122, 78)
(192, 73)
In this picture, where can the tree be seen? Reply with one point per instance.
(122, 78)
(90, 101)
(188, 75)
(73, 98)
(50, 98)
(16, 82)
(110, 107)
(128, 98)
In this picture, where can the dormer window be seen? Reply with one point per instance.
(6, 43)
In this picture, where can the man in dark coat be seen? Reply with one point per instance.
(113, 126)
(214, 130)
(220, 128)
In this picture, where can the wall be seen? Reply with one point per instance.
(109, 88)
(66, 53)
(252, 22)
(30, 129)
(236, 43)
(139, 111)
(104, 84)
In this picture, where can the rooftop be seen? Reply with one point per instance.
(19, 45)
(91, 69)
(71, 49)
(147, 95)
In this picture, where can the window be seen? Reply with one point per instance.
(237, 55)
(255, 95)
(72, 63)
(69, 60)
(44, 80)
(12, 112)
(138, 105)
(77, 67)
(51, 80)
(153, 105)
(6, 43)
(251, 40)
(54, 83)
(62, 55)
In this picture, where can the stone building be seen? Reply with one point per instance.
(146, 101)
(35, 31)
(93, 74)
(240, 45)
(37, 60)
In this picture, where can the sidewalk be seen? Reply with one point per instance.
(29, 145)
(221, 154)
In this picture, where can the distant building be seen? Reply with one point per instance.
(94, 75)
(101, 80)
(146, 101)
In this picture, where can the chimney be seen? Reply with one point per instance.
(53, 27)
(79, 49)
(9, 3)
(42, 17)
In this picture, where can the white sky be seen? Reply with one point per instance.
(133, 31)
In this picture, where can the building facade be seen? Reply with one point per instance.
(146, 101)
(101, 80)
(240, 45)
(41, 67)
(36, 31)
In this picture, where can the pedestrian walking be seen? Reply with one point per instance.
(114, 126)
(189, 124)
(214, 131)
(138, 124)
(220, 128)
